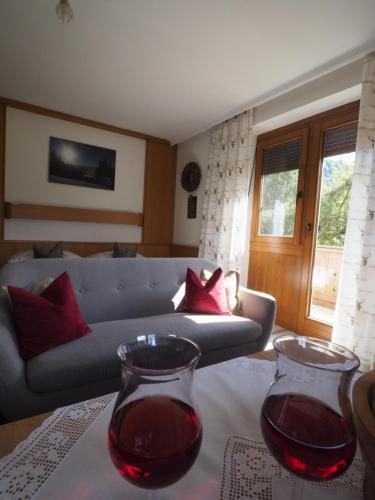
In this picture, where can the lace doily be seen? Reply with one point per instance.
(254, 365)
(249, 468)
(28, 467)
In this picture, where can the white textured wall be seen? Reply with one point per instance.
(26, 179)
(187, 231)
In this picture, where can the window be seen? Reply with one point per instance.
(279, 189)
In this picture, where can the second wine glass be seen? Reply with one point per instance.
(306, 418)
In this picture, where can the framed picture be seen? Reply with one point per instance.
(192, 207)
(80, 164)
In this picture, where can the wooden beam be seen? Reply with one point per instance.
(45, 212)
(31, 108)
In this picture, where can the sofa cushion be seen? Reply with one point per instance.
(47, 320)
(78, 362)
(205, 297)
(55, 252)
(232, 286)
(29, 254)
(119, 252)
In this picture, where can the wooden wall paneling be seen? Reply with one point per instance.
(184, 251)
(2, 167)
(159, 188)
(159, 193)
(150, 250)
(47, 212)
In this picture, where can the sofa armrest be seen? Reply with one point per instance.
(13, 385)
(261, 308)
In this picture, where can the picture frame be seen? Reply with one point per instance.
(78, 164)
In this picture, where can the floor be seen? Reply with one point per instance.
(277, 332)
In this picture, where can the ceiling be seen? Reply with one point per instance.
(172, 68)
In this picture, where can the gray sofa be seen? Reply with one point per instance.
(120, 299)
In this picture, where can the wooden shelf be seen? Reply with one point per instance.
(46, 212)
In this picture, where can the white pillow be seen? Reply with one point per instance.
(35, 287)
(29, 254)
(109, 255)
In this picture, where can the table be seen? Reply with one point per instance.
(67, 456)
(13, 433)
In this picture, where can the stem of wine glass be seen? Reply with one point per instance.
(297, 490)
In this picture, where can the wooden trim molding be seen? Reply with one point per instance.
(31, 108)
(45, 212)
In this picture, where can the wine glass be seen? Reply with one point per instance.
(306, 418)
(155, 431)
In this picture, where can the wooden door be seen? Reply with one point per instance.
(276, 249)
(280, 264)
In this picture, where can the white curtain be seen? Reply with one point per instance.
(354, 324)
(224, 224)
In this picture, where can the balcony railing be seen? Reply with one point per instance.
(326, 276)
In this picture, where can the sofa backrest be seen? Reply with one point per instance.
(112, 289)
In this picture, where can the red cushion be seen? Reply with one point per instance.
(46, 320)
(205, 297)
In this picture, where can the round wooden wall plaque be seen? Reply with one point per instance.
(191, 176)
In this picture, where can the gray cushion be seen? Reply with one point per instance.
(55, 252)
(77, 362)
(119, 252)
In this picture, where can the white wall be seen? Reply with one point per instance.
(187, 231)
(26, 179)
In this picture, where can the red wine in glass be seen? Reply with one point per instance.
(153, 441)
(306, 436)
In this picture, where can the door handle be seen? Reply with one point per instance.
(309, 228)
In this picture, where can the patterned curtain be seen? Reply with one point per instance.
(223, 232)
(354, 324)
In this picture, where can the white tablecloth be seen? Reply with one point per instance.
(229, 396)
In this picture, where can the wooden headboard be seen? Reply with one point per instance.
(82, 248)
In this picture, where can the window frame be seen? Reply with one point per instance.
(302, 135)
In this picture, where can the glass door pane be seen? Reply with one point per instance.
(336, 181)
(279, 188)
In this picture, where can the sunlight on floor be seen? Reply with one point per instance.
(277, 332)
